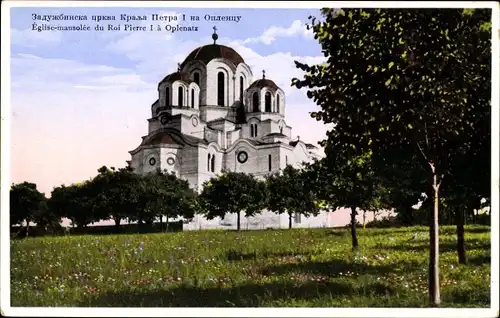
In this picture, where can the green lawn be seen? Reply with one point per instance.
(300, 267)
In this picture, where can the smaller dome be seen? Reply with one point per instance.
(177, 76)
(264, 83)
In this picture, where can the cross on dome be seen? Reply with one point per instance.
(215, 36)
(263, 74)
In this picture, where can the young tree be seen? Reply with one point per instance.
(404, 78)
(289, 191)
(346, 183)
(26, 204)
(233, 192)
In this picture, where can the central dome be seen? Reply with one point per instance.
(209, 52)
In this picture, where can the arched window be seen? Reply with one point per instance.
(269, 162)
(192, 98)
(196, 77)
(281, 129)
(255, 101)
(241, 88)
(277, 103)
(220, 89)
(208, 163)
(251, 130)
(213, 163)
(180, 97)
(167, 96)
(286, 160)
(268, 102)
(255, 130)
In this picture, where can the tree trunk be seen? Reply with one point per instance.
(117, 221)
(27, 227)
(166, 222)
(238, 225)
(474, 216)
(374, 216)
(364, 220)
(462, 259)
(434, 295)
(289, 220)
(161, 223)
(353, 229)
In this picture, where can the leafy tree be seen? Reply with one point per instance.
(400, 175)
(116, 193)
(75, 202)
(290, 191)
(405, 78)
(163, 194)
(233, 192)
(27, 204)
(349, 183)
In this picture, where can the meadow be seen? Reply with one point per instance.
(298, 267)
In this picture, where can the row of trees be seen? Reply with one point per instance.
(408, 93)
(121, 194)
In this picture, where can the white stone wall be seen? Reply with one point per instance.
(209, 113)
(187, 126)
(275, 94)
(174, 152)
(198, 67)
(262, 221)
(231, 81)
(212, 135)
(299, 154)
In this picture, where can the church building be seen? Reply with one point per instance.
(212, 115)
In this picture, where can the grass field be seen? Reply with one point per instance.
(300, 267)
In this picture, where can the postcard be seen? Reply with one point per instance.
(193, 159)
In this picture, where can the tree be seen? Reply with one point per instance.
(346, 183)
(26, 204)
(233, 192)
(469, 183)
(75, 202)
(400, 175)
(163, 194)
(116, 193)
(404, 78)
(289, 191)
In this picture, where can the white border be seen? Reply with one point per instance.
(6, 310)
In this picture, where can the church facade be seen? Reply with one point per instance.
(212, 115)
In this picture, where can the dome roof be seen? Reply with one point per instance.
(177, 76)
(264, 82)
(209, 52)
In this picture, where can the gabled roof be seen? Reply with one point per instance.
(169, 136)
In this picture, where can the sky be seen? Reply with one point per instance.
(81, 99)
